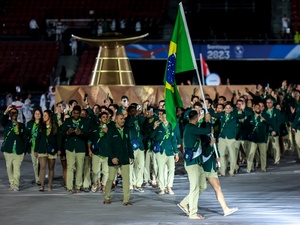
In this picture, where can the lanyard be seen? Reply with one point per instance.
(121, 131)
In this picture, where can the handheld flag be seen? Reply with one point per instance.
(181, 58)
(204, 67)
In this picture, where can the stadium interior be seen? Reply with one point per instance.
(34, 62)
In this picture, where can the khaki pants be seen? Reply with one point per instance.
(227, 150)
(13, 167)
(198, 184)
(262, 147)
(99, 165)
(125, 178)
(242, 149)
(35, 165)
(137, 169)
(87, 172)
(74, 160)
(275, 148)
(297, 140)
(150, 172)
(165, 164)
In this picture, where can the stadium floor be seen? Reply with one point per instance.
(262, 198)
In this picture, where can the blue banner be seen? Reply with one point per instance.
(217, 52)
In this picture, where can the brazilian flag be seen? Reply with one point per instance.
(181, 58)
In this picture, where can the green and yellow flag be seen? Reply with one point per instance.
(181, 58)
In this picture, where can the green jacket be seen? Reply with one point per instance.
(97, 135)
(148, 127)
(73, 141)
(136, 132)
(10, 137)
(31, 135)
(243, 125)
(228, 127)
(258, 131)
(273, 118)
(167, 138)
(296, 122)
(208, 155)
(191, 137)
(42, 141)
(119, 147)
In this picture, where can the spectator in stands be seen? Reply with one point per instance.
(73, 43)
(138, 27)
(113, 25)
(100, 28)
(285, 23)
(123, 26)
(59, 30)
(34, 28)
(63, 75)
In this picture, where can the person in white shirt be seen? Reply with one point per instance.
(73, 43)
(51, 96)
(285, 21)
(113, 25)
(34, 28)
(28, 109)
(43, 101)
(19, 105)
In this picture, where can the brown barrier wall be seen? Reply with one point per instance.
(138, 94)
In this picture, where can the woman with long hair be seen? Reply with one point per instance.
(32, 128)
(48, 145)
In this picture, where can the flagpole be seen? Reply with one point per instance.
(197, 72)
(201, 64)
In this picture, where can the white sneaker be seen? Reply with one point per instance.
(94, 189)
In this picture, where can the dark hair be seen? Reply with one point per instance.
(197, 104)
(228, 103)
(110, 112)
(110, 99)
(54, 129)
(72, 101)
(103, 107)
(131, 107)
(96, 105)
(124, 97)
(194, 96)
(209, 100)
(114, 105)
(61, 102)
(223, 106)
(223, 97)
(87, 112)
(193, 114)
(41, 119)
(134, 104)
(14, 108)
(103, 113)
(77, 107)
